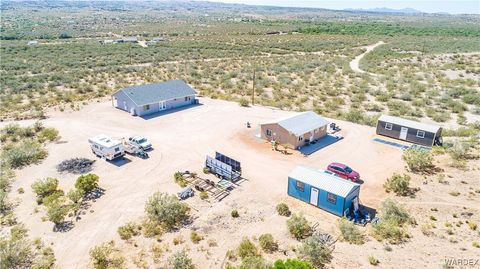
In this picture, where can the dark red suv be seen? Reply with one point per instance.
(344, 171)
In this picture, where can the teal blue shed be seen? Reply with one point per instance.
(323, 189)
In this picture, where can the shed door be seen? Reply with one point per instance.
(162, 105)
(314, 196)
(403, 133)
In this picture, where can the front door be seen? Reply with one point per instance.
(403, 133)
(125, 105)
(314, 196)
(162, 105)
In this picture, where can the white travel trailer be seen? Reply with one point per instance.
(106, 147)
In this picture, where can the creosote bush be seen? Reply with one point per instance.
(128, 230)
(106, 256)
(267, 243)
(399, 184)
(87, 183)
(292, 264)
(418, 160)
(299, 227)
(247, 249)
(166, 210)
(350, 232)
(180, 260)
(283, 210)
(314, 250)
(392, 226)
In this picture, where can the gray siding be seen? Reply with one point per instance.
(411, 134)
(121, 101)
(170, 104)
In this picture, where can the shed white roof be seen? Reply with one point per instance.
(301, 123)
(410, 123)
(324, 181)
(104, 141)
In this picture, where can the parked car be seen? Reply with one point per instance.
(140, 141)
(344, 171)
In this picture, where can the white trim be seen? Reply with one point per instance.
(156, 102)
(391, 126)
(420, 136)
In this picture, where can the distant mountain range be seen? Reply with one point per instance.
(387, 10)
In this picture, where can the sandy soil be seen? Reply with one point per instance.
(181, 140)
(355, 63)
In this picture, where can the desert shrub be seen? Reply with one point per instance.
(56, 212)
(151, 228)
(87, 183)
(5, 204)
(243, 102)
(75, 195)
(105, 256)
(399, 184)
(24, 153)
(392, 225)
(52, 198)
(418, 160)
(128, 231)
(283, 210)
(45, 187)
(235, 213)
(350, 232)
(180, 260)
(315, 251)
(49, 134)
(267, 243)
(254, 262)
(203, 195)
(292, 264)
(195, 237)
(179, 179)
(20, 252)
(166, 209)
(247, 249)
(459, 150)
(372, 260)
(299, 227)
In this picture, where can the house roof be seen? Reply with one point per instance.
(324, 181)
(153, 93)
(301, 123)
(410, 123)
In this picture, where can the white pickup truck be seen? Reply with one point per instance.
(140, 142)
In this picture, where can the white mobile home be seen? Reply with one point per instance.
(106, 147)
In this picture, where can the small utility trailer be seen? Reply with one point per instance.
(224, 167)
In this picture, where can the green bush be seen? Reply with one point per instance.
(195, 237)
(283, 210)
(315, 251)
(255, 262)
(244, 102)
(372, 260)
(235, 214)
(399, 184)
(45, 187)
(267, 243)
(180, 260)
(393, 219)
(87, 183)
(350, 232)
(179, 179)
(128, 231)
(50, 134)
(418, 160)
(299, 227)
(24, 153)
(292, 264)
(166, 209)
(56, 212)
(247, 249)
(459, 150)
(105, 256)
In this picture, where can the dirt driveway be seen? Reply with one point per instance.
(181, 141)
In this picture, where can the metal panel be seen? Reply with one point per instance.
(225, 159)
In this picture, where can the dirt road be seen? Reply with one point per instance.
(355, 63)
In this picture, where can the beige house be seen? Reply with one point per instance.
(295, 130)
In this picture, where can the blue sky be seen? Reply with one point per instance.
(450, 6)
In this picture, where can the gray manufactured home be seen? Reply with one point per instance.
(151, 98)
(410, 131)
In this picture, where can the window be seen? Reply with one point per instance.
(300, 138)
(146, 107)
(388, 126)
(269, 132)
(117, 149)
(331, 198)
(420, 134)
(300, 186)
(187, 98)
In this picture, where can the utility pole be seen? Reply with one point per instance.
(253, 90)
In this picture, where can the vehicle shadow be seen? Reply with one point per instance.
(169, 111)
(120, 161)
(320, 144)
